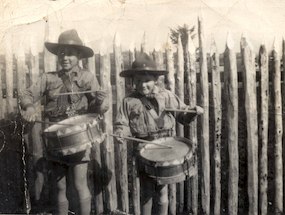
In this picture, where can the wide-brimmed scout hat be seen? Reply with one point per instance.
(70, 38)
(143, 65)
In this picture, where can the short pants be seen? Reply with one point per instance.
(71, 160)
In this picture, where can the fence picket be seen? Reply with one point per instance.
(278, 132)
(264, 85)
(96, 163)
(171, 86)
(91, 64)
(179, 127)
(170, 67)
(50, 60)
(192, 184)
(217, 131)
(121, 149)
(158, 58)
(36, 145)
(110, 200)
(10, 107)
(204, 91)
(21, 70)
(231, 92)
(251, 119)
(135, 183)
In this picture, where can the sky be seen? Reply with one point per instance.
(26, 24)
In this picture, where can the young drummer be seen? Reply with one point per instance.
(59, 106)
(142, 115)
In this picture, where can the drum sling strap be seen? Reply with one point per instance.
(73, 98)
(150, 108)
(70, 87)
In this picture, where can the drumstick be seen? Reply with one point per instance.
(70, 93)
(180, 110)
(54, 123)
(141, 140)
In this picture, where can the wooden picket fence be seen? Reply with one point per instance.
(237, 142)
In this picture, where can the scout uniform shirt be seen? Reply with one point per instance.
(50, 84)
(59, 107)
(135, 119)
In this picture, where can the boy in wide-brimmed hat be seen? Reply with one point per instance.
(61, 105)
(142, 115)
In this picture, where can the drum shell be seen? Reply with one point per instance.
(77, 139)
(57, 144)
(169, 172)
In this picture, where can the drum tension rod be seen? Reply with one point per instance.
(141, 140)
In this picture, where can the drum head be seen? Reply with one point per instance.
(179, 149)
(73, 124)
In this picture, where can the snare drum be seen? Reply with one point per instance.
(167, 165)
(73, 135)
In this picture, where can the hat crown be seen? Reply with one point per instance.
(70, 37)
(142, 62)
(143, 65)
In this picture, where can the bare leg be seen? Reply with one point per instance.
(162, 199)
(59, 175)
(81, 185)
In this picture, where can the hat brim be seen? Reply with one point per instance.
(84, 50)
(134, 72)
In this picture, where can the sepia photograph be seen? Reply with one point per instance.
(128, 107)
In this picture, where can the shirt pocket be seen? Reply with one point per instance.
(135, 112)
(137, 120)
(54, 88)
(83, 81)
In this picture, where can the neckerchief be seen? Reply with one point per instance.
(149, 106)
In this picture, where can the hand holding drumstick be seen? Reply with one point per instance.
(30, 113)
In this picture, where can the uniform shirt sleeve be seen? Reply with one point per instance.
(176, 103)
(98, 103)
(34, 93)
(121, 125)
(91, 83)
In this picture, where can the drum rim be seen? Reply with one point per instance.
(54, 132)
(172, 162)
